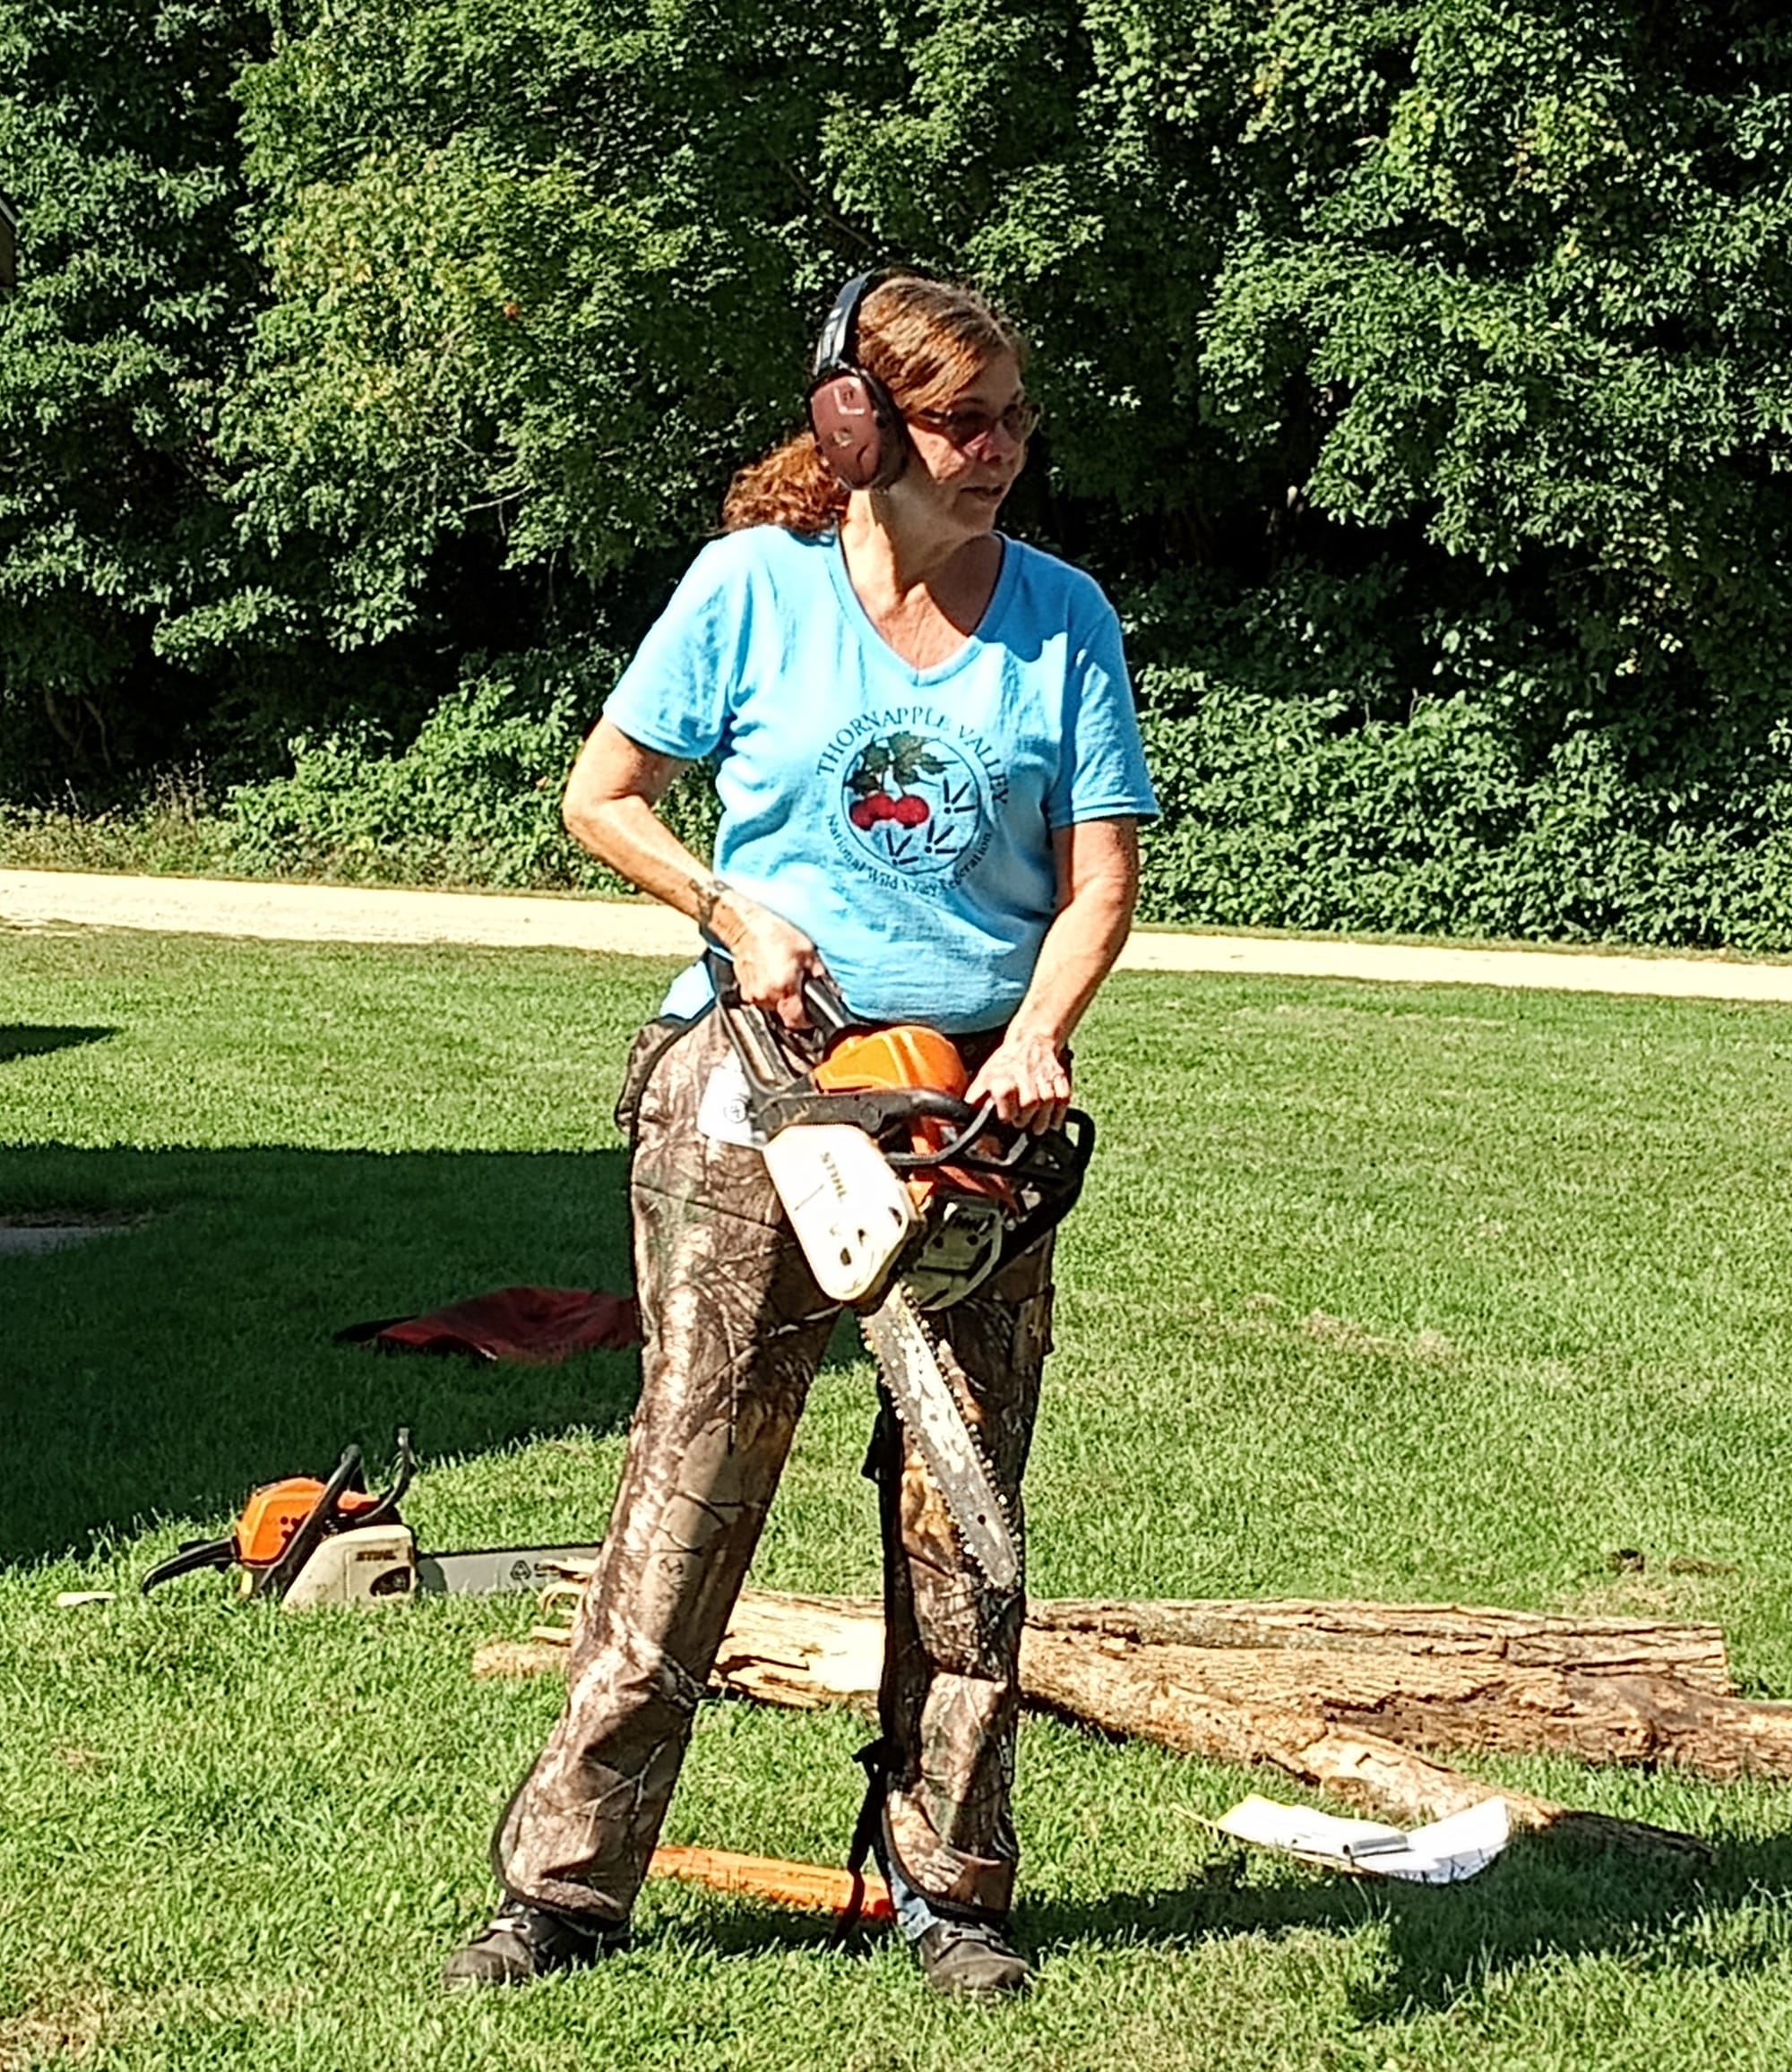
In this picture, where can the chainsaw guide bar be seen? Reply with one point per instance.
(916, 1370)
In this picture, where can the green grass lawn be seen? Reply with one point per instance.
(1376, 1291)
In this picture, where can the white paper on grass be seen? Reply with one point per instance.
(1439, 1854)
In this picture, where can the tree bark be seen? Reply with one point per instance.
(809, 1651)
(1367, 1771)
(1694, 1653)
(1464, 1702)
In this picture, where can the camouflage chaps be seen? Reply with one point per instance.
(736, 1330)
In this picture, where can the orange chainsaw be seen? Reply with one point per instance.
(305, 1542)
(905, 1200)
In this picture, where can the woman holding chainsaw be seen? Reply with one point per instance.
(930, 781)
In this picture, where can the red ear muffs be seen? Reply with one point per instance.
(858, 430)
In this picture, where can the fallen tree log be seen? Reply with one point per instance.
(1366, 1771)
(803, 1651)
(1694, 1653)
(807, 1652)
(1488, 1704)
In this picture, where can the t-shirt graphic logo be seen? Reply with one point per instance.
(916, 804)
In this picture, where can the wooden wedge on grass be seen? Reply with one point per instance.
(818, 1888)
(1343, 1697)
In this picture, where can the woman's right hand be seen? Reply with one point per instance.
(771, 959)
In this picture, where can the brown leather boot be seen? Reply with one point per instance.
(971, 1959)
(525, 1942)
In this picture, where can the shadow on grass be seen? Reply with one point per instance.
(1545, 1900)
(18, 1040)
(1550, 1897)
(169, 1372)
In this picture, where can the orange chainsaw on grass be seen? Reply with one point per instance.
(305, 1543)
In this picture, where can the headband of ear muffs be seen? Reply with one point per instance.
(858, 427)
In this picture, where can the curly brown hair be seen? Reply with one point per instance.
(924, 341)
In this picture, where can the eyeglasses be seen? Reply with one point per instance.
(964, 427)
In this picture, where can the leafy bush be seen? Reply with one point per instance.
(474, 799)
(174, 830)
(1304, 787)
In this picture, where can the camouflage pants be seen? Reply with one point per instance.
(735, 1328)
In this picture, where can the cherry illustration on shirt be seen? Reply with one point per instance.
(900, 760)
(914, 802)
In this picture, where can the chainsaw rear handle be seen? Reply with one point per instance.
(767, 1070)
(826, 1009)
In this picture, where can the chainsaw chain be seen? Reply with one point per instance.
(929, 1387)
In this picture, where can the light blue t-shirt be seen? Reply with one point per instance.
(900, 817)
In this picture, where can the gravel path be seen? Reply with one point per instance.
(40, 899)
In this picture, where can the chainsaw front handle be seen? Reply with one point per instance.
(404, 1466)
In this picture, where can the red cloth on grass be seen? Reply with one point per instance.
(537, 1326)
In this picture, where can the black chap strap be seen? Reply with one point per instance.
(873, 1759)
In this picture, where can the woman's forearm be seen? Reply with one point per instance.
(1099, 864)
(609, 809)
(628, 835)
(1077, 954)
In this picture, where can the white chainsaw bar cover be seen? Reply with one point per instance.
(849, 1211)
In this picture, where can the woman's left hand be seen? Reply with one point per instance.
(1029, 1081)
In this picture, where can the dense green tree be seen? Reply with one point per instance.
(1489, 277)
(543, 270)
(135, 298)
(1416, 360)
(1517, 280)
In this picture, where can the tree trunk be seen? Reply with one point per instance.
(1462, 1701)
(1366, 1770)
(809, 1651)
